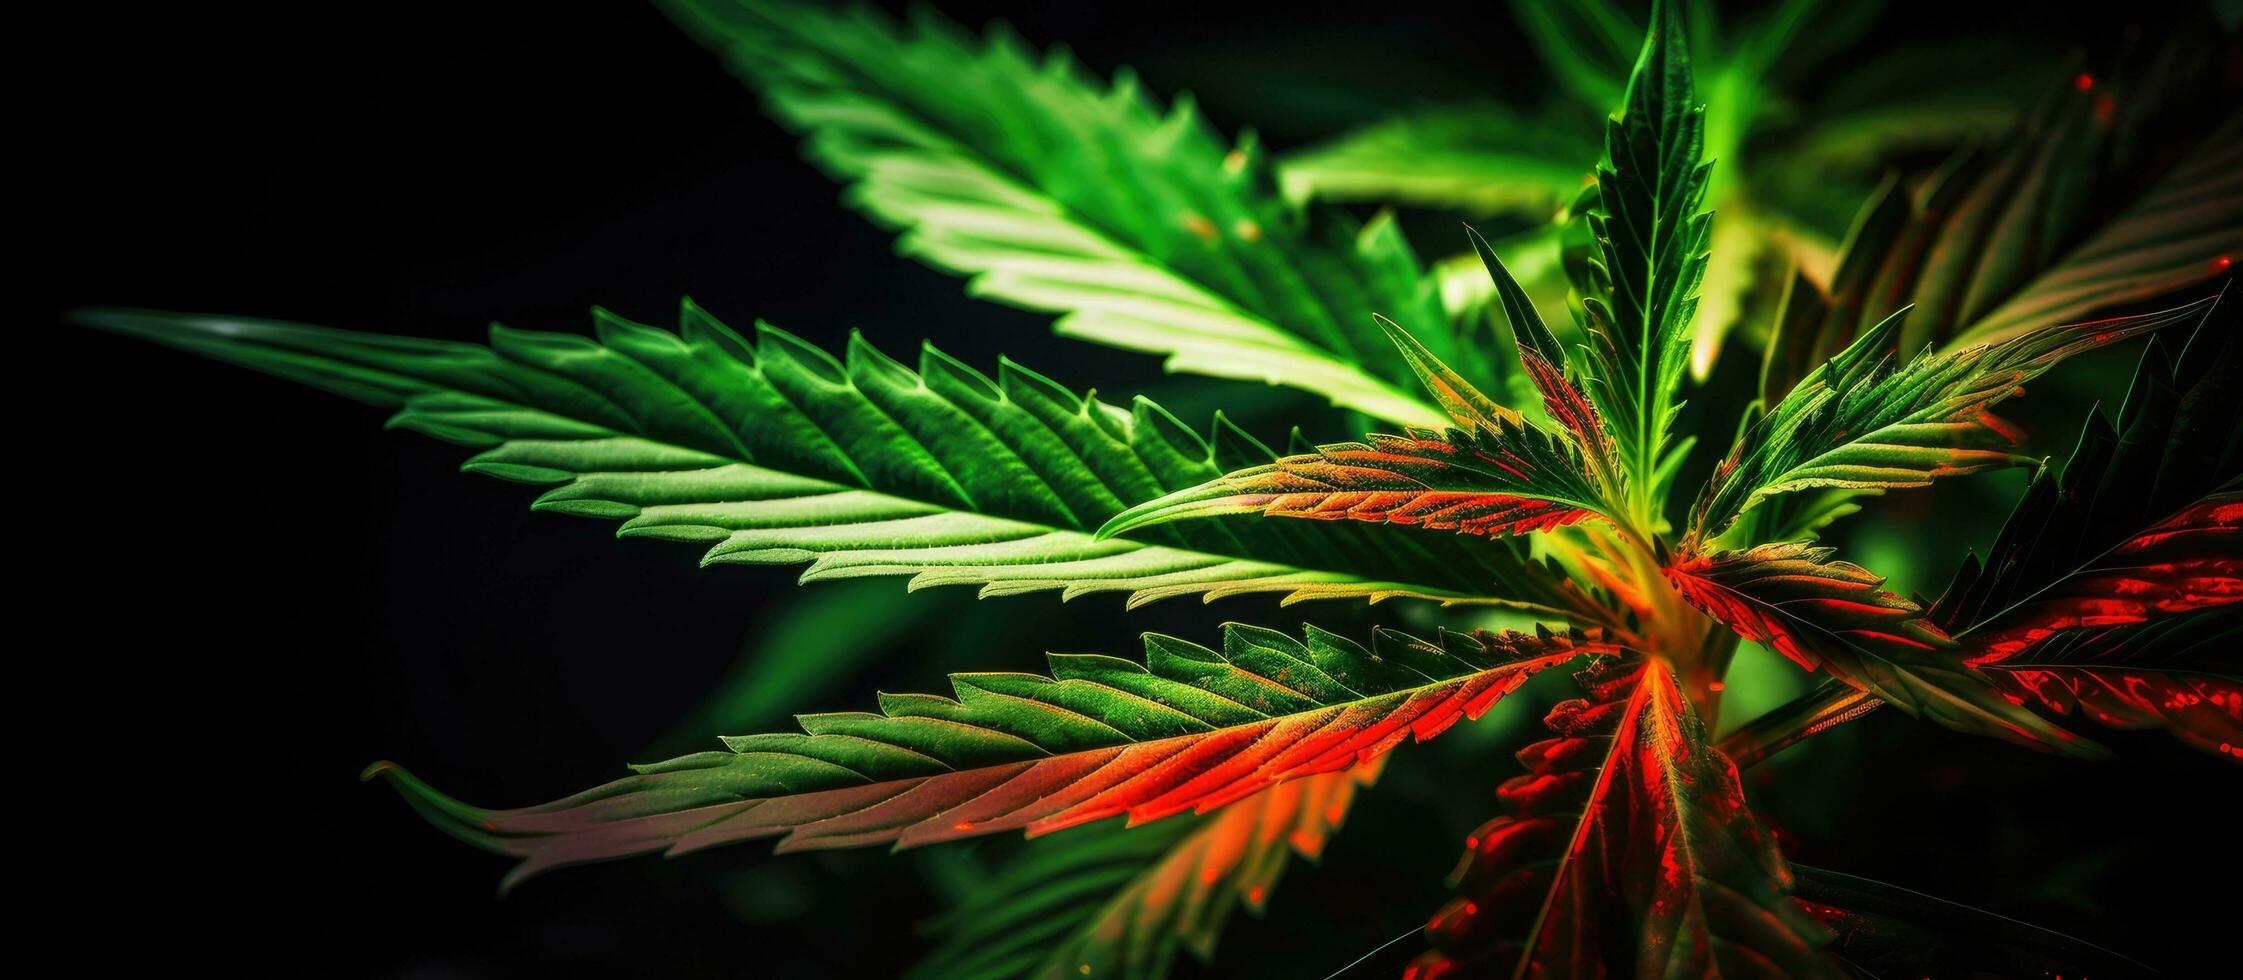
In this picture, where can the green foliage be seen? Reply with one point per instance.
(1121, 901)
(774, 452)
(1639, 290)
(1800, 132)
(1867, 421)
(1190, 730)
(1483, 159)
(2116, 194)
(1139, 226)
(1628, 846)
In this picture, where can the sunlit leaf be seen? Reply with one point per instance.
(1054, 192)
(1832, 615)
(774, 452)
(1628, 850)
(1189, 730)
(1110, 901)
(1869, 420)
(2113, 590)
(1639, 292)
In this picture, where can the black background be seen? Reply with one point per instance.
(243, 591)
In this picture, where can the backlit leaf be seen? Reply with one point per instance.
(774, 452)
(2113, 590)
(1121, 901)
(1833, 615)
(1639, 290)
(1867, 420)
(1189, 730)
(1139, 226)
(1627, 850)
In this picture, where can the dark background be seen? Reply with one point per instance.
(244, 591)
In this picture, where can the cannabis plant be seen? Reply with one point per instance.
(1627, 846)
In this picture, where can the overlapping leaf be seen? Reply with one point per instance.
(1544, 361)
(1513, 479)
(1483, 158)
(2113, 590)
(1120, 902)
(1867, 420)
(1496, 476)
(1833, 615)
(1811, 159)
(1639, 288)
(775, 452)
(1628, 850)
(1190, 730)
(1138, 226)
(2124, 190)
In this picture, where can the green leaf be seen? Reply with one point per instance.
(1483, 159)
(1628, 850)
(1639, 289)
(2119, 194)
(1867, 421)
(1498, 476)
(1543, 358)
(1139, 227)
(2114, 590)
(774, 452)
(1110, 901)
(1833, 615)
(1190, 730)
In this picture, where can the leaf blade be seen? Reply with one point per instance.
(773, 452)
(1190, 730)
(1133, 223)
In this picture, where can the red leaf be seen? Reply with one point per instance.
(1628, 850)
(1024, 752)
(1510, 479)
(2083, 642)
(1834, 615)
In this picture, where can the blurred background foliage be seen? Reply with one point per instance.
(427, 168)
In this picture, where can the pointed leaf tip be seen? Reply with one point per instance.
(1464, 403)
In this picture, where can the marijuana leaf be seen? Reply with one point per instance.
(1140, 227)
(1118, 902)
(1545, 363)
(1867, 421)
(1639, 290)
(1190, 730)
(2112, 589)
(1831, 614)
(774, 452)
(1512, 479)
(1499, 476)
(1482, 158)
(1628, 850)
(2084, 210)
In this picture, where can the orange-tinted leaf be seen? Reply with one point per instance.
(2116, 590)
(1511, 479)
(1120, 902)
(1834, 615)
(1191, 730)
(1628, 850)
